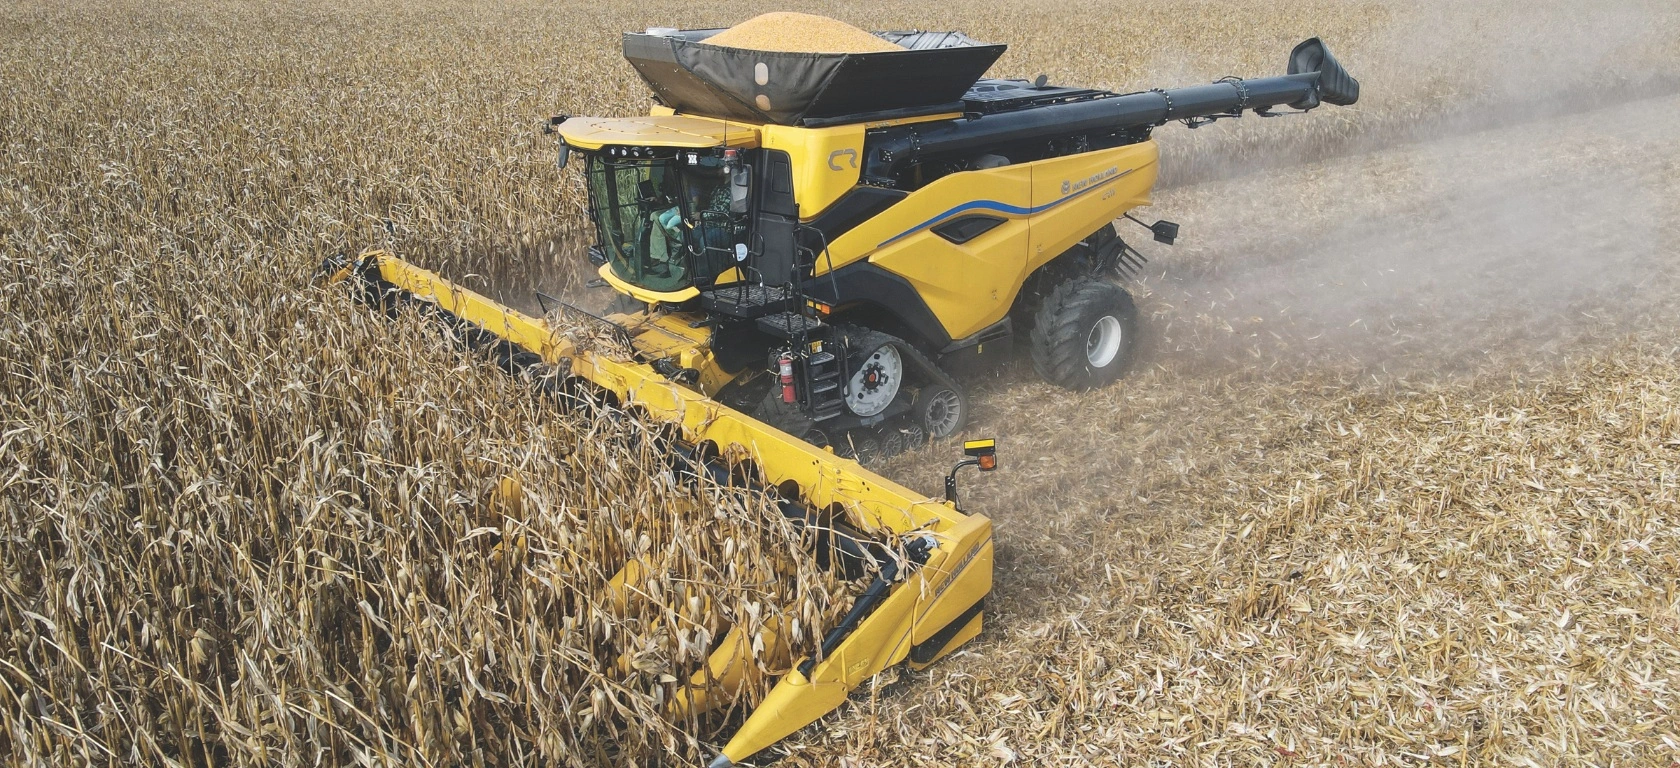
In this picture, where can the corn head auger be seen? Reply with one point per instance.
(926, 585)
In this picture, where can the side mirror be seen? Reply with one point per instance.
(740, 180)
(565, 155)
(978, 453)
(1163, 230)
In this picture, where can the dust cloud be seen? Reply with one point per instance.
(1503, 190)
(1439, 69)
(1511, 244)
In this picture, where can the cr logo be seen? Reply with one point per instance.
(833, 163)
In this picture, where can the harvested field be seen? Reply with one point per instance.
(1395, 483)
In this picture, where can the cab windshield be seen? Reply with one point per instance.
(665, 224)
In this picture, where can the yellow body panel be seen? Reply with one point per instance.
(968, 286)
(825, 162)
(1073, 196)
(1047, 206)
(590, 133)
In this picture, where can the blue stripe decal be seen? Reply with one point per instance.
(1000, 207)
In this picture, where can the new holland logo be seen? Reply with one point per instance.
(1070, 187)
(968, 558)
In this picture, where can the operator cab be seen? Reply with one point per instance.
(671, 200)
(667, 220)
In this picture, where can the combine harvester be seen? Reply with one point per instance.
(806, 237)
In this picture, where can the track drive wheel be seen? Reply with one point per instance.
(881, 364)
(864, 444)
(1082, 336)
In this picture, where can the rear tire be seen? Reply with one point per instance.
(1082, 336)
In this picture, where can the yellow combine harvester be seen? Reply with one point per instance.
(807, 238)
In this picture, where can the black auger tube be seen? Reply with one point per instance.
(1314, 77)
(865, 604)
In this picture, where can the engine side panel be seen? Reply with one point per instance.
(963, 284)
(1047, 206)
(1073, 196)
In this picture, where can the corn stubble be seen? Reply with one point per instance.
(247, 522)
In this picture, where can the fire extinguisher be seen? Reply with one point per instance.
(785, 366)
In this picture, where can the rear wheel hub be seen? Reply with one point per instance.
(1102, 345)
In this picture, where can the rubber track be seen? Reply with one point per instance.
(913, 357)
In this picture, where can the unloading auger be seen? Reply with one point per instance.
(809, 237)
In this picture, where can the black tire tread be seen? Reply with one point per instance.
(1060, 328)
(1077, 260)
